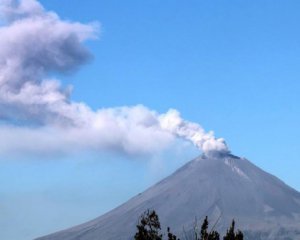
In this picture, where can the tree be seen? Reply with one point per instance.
(204, 227)
(232, 235)
(171, 236)
(148, 227)
(212, 235)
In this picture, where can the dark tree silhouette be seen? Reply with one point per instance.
(204, 227)
(148, 227)
(212, 235)
(232, 235)
(171, 236)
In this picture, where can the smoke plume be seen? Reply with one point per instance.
(37, 113)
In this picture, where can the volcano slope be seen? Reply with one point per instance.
(222, 187)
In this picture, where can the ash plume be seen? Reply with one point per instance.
(37, 113)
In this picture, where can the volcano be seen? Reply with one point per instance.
(222, 187)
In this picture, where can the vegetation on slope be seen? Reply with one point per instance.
(149, 228)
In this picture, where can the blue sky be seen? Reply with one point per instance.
(232, 67)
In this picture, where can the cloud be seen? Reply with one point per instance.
(130, 130)
(35, 43)
(37, 113)
(12, 9)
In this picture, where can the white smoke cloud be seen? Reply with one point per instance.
(37, 113)
(131, 130)
(173, 123)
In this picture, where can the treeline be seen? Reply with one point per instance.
(149, 228)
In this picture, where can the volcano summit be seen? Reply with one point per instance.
(222, 187)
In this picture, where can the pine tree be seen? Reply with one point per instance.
(214, 235)
(204, 235)
(239, 235)
(171, 236)
(231, 235)
(148, 227)
(204, 227)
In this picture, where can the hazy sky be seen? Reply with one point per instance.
(230, 66)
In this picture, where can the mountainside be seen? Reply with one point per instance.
(221, 187)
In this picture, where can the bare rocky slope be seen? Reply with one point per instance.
(222, 187)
